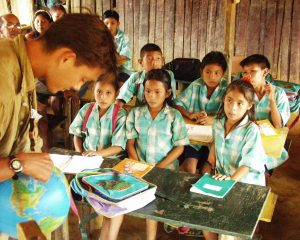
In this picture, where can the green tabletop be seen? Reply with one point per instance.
(236, 214)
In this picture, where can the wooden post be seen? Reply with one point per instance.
(230, 32)
(30, 230)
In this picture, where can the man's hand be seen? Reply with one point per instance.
(37, 165)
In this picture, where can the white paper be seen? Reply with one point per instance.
(266, 129)
(75, 164)
(202, 133)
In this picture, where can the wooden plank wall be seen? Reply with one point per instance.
(192, 28)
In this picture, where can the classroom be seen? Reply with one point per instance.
(149, 119)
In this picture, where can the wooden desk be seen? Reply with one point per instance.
(237, 214)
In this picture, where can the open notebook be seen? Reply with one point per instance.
(74, 163)
(202, 133)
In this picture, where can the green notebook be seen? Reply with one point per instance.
(208, 186)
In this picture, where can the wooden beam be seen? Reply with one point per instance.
(230, 33)
(30, 230)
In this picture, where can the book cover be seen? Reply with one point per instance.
(208, 186)
(136, 168)
(202, 133)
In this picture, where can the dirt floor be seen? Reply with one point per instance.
(285, 224)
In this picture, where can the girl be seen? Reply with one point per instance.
(41, 22)
(237, 152)
(200, 103)
(100, 138)
(155, 133)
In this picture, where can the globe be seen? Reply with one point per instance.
(25, 199)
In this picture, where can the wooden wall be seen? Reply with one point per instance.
(192, 28)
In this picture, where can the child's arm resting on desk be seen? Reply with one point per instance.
(110, 151)
(132, 154)
(171, 157)
(238, 174)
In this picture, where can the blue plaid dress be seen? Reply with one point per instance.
(241, 147)
(262, 110)
(134, 87)
(154, 139)
(99, 131)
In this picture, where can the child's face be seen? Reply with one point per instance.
(256, 74)
(212, 75)
(156, 94)
(151, 60)
(112, 24)
(105, 94)
(235, 105)
(41, 24)
(57, 14)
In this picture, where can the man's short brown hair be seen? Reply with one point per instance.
(87, 36)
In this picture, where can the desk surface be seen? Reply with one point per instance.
(236, 214)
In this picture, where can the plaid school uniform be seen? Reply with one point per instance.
(241, 147)
(154, 139)
(99, 131)
(134, 87)
(263, 111)
(124, 49)
(194, 99)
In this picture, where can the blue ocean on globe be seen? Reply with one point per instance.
(24, 199)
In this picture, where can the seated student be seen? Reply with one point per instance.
(9, 26)
(111, 20)
(150, 58)
(41, 22)
(155, 134)
(271, 102)
(57, 11)
(237, 152)
(105, 132)
(200, 102)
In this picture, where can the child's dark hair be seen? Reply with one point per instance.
(149, 47)
(111, 14)
(259, 59)
(110, 78)
(164, 77)
(249, 93)
(214, 57)
(57, 7)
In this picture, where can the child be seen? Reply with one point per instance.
(100, 138)
(111, 20)
(41, 22)
(57, 11)
(237, 152)
(150, 58)
(271, 102)
(200, 102)
(156, 134)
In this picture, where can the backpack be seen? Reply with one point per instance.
(89, 111)
(184, 69)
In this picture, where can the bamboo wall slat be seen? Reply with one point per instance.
(192, 28)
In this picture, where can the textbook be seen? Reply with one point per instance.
(266, 128)
(208, 186)
(75, 163)
(136, 168)
(202, 133)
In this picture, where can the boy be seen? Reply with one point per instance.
(150, 58)
(271, 102)
(111, 20)
(9, 26)
(200, 102)
(57, 11)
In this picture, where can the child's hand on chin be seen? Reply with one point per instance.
(221, 177)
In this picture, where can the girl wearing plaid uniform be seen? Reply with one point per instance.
(237, 152)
